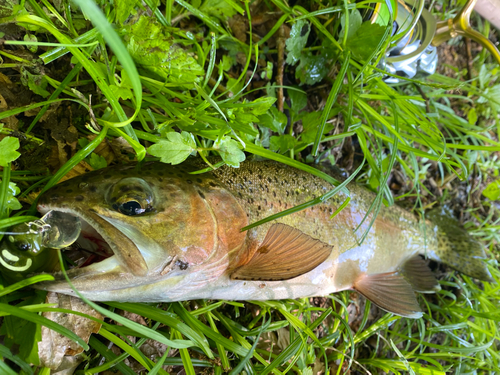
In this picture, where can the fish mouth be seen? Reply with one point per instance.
(103, 255)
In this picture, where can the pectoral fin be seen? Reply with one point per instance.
(391, 292)
(285, 253)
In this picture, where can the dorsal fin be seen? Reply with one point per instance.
(420, 276)
(391, 292)
(285, 253)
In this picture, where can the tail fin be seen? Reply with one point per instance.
(457, 248)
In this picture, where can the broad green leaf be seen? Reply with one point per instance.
(297, 41)
(121, 92)
(11, 201)
(175, 149)
(221, 9)
(152, 47)
(298, 100)
(355, 21)
(472, 116)
(366, 39)
(31, 38)
(261, 105)
(492, 190)
(310, 123)
(314, 67)
(8, 153)
(36, 82)
(124, 9)
(282, 143)
(230, 151)
(97, 161)
(484, 76)
(493, 96)
(274, 120)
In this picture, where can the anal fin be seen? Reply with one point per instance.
(391, 292)
(285, 253)
(420, 276)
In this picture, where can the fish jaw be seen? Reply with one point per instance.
(131, 262)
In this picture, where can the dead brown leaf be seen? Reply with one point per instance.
(54, 347)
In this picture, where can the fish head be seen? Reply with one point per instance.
(158, 225)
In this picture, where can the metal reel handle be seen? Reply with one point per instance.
(460, 25)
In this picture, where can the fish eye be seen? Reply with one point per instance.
(131, 208)
(131, 196)
(23, 246)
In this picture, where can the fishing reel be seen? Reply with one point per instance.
(416, 34)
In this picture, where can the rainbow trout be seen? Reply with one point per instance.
(172, 236)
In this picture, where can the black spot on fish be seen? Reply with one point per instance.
(269, 180)
(287, 193)
(199, 180)
(212, 184)
(259, 208)
(182, 265)
(92, 210)
(274, 193)
(160, 179)
(179, 175)
(106, 176)
(79, 198)
(69, 191)
(161, 174)
(201, 194)
(93, 188)
(189, 181)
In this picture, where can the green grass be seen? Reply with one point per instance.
(212, 89)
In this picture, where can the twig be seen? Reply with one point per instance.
(281, 66)
(425, 97)
(470, 67)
